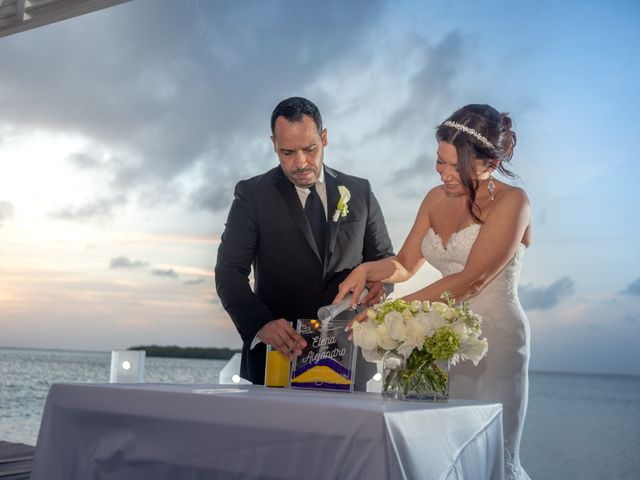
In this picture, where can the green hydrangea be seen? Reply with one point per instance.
(397, 305)
(443, 344)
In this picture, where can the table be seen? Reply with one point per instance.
(152, 431)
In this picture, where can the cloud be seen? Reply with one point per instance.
(544, 298)
(565, 338)
(183, 93)
(633, 288)
(196, 281)
(214, 199)
(98, 210)
(126, 263)
(86, 160)
(6, 211)
(421, 169)
(431, 90)
(169, 272)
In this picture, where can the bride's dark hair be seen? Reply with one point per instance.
(494, 126)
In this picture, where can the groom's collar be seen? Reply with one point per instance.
(330, 171)
(321, 175)
(280, 176)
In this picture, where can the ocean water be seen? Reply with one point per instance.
(583, 427)
(26, 375)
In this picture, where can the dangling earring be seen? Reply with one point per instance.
(491, 186)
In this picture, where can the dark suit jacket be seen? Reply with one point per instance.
(267, 228)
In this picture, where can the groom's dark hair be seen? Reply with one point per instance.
(293, 109)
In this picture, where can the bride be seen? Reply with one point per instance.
(474, 230)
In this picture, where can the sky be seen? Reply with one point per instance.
(124, 131)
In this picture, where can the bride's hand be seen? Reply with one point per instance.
(376, 294)
(361, 317)
(354, 283)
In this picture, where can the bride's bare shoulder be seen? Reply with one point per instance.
(432, 198)
(435, 194)
(515, 194)
(427, 205)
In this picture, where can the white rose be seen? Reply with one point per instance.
(474, 350)
(426, 306)
(384, 339)
(416, 306)
(364, 335)
(460, 329)
(449, 313)
(439, 307)
(396, 327)
(372, 355)
(416, 331)
(433, 321)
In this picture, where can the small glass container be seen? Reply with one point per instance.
(277, 368)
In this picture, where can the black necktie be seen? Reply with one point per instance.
(317, 220)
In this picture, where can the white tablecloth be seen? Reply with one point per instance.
(180, 432)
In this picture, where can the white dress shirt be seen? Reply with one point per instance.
(321, 188)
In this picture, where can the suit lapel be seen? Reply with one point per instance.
(287, 190)
(333, 196)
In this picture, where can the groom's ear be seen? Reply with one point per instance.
(273, 140)
(323, 136)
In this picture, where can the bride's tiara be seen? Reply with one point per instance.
(470, 131)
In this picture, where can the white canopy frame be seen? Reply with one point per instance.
(19, 15)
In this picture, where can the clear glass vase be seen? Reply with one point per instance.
(429, 382)
(415, 378)
(393, 367)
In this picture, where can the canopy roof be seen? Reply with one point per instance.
(19, 15)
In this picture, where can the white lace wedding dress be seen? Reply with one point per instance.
(502, 375)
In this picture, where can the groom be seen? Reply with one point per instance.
(288, 226)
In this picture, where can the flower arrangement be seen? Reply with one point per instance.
(342, 210)
(423, 337)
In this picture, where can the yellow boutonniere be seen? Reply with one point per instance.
(341, 209)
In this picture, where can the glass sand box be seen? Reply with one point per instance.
(328, 360)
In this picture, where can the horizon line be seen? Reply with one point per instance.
(543, 371)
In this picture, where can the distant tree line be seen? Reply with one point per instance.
(174, 351)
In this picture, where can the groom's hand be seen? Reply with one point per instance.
(281, 335)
